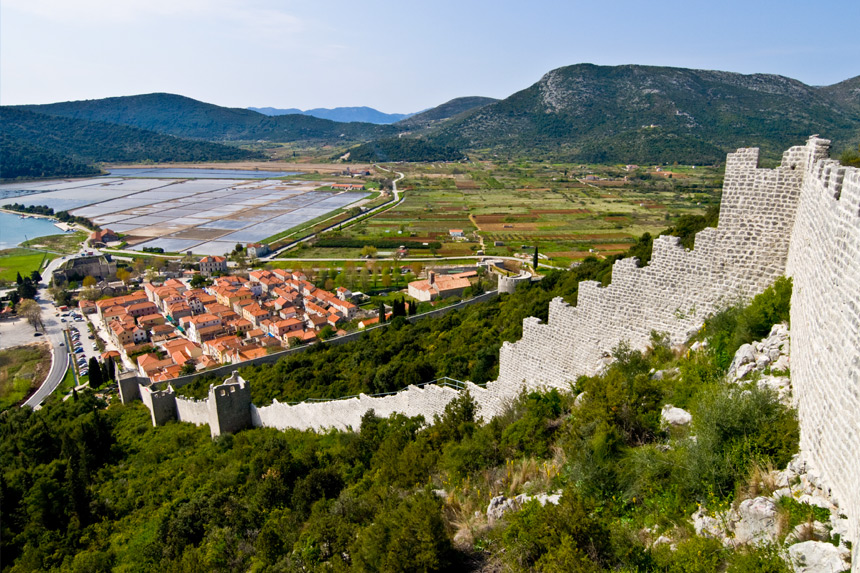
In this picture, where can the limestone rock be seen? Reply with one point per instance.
(675, 416)
(498, 507)
(758, 522)
(818, 557)
(707, 526)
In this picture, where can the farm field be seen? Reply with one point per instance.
(568, 211)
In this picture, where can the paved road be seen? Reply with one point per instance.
(59, 354)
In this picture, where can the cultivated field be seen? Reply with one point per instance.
(568, 211)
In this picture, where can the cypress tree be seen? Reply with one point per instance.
(535, 260)
(95, 373)
(381, 312)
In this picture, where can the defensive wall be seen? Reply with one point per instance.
(824, 263)
(801, 218)
(679, 287)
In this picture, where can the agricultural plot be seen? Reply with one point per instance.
(568, 211)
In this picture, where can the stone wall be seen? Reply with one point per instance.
(509, 284)
(680, 287)
(193, 411)
(824, 262)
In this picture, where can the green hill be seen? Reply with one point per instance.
(185, 117)
(650, 114)
(445, 111)
(36, 145)
(404, 149)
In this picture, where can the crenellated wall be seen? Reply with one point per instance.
(824, 262)
(679, 287)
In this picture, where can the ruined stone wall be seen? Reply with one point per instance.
(680, 287)
(193, 411)
(824, 263)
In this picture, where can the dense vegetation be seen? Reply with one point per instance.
(20, 159)
(645, 114)
(73, 142)
(404, 149)
(186, 117)
(86, 488)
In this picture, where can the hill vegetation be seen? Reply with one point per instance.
(645, 114)
(185, 117)
(36, 145)
(403, 149)
(445, 111)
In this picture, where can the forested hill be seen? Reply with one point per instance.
(36, 145)
(445, 111)
(647, 114)
(185, 117)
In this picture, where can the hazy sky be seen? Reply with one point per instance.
(397, 56)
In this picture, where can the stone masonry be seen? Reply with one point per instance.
(824, 262)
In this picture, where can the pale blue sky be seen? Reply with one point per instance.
(396, 56)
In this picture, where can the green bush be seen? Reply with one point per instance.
(734, 428)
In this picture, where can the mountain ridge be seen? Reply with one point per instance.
(363, 114)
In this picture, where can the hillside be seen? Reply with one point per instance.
(36, 145)
(185, 117)
(445, 111)
(342, 114)
(653, 114)
(403, 149)
(20, 159)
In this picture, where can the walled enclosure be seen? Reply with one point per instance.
(801, 219)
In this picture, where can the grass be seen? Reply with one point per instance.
(66, 243)
(22, 369)
(20, 260)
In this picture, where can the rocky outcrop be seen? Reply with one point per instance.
(500, 505)
(767, 361)
(818, 557)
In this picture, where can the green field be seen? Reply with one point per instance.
(24, 261)
(568, 210)
(22, 368)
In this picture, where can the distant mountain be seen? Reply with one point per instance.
(654, 114)
(445, 111)
(186, 117)
(341, 114)
(37, 145)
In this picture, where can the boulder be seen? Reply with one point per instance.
(758, 523)
(818, 557)
(781, 364)
(673, 416)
